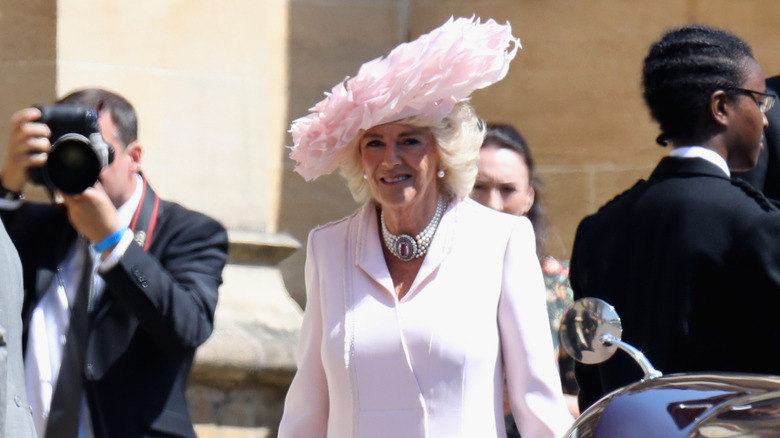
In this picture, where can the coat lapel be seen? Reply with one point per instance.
(677, 166)
(62, 235)
(368, 249)
(441, 245)
(370, 258)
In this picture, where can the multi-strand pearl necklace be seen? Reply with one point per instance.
(406, 247)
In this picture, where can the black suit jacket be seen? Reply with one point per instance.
(156, 309)
(766, 175)
(691, 261)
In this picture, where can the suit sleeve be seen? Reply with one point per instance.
(588, 377)
(173, 291)
(533, 382)
(758, 295)
(306, 406)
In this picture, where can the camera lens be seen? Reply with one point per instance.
(78, 151)
(72, 165)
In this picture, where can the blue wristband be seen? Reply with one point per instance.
(110, 241)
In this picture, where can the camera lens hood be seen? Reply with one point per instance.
(73, 164)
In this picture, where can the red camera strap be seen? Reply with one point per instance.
(145, 217)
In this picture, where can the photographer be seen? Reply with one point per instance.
(120, 286)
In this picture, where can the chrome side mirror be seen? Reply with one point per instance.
(590, 332)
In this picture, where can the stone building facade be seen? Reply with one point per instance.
(217, 83)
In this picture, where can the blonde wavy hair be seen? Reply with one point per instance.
(458, 140)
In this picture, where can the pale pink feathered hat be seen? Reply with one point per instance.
(423, 78)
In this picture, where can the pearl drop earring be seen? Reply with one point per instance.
(440, 173)
(365, 176)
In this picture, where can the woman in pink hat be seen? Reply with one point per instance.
(422, 302)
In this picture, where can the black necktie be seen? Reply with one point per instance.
(66, 401)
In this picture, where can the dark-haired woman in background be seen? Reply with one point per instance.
(690, 258)
(507, 182)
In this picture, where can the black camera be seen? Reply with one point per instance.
(78, 151)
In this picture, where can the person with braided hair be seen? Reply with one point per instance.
(690, 258)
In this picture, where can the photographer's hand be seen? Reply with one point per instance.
(28, 146)
(92, 214)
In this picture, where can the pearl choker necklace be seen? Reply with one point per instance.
(406, 247)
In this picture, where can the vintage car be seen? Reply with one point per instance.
(691, 405)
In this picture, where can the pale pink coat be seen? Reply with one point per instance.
(431, 364)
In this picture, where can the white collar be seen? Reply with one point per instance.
(126, 211)
(702, 152)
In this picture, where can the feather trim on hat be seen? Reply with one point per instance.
(423, 78)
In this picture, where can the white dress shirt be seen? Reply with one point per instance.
(702, 152)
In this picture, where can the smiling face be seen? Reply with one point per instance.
(400, 162)
(503, 182)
